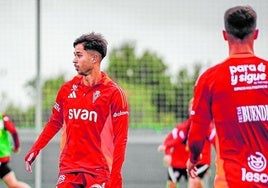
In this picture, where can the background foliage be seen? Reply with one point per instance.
(156, 99)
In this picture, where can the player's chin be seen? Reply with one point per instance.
(79, 71)
(76, 68)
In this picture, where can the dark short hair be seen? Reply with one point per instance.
(240, 21)
(93, 41)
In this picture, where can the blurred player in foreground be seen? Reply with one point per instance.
(8, 128)
(234, 94)
(94, 112)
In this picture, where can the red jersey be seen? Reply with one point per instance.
(234, 94)
(176, 144)
(96, 127)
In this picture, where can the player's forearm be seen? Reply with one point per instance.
(120, 129)
(46, 135)
(118, 160)
(195, 150)
(48, 132)
(120, 143)
(196, 139)
(16, 140)
(119, 154)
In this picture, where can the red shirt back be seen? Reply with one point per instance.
(234, 94)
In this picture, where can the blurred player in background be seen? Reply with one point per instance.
(95, 114)
(234, 94)
(7, 129)
(176, 154)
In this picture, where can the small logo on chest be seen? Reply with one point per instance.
(73, 90)
(96, 95)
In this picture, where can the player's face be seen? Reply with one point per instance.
(83, 60)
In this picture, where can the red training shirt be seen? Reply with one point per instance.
(96, 126)
(234, 94)
(175, 143)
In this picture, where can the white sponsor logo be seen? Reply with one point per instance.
(72, 95)
(98, 186)
(247, 73)
(57, 107)
(252, 113)
(61, 179)
(116, 114)
(257, 163)
(83, 114)
(242, 88)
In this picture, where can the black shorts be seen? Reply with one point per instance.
(201, 170)
(4, 169)
(175, 174)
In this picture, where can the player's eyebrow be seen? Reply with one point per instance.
(77, 52)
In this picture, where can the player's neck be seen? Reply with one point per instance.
(241, 49)
(245, 46)
(92, 79)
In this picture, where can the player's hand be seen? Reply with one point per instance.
(191, 169)
(161, 148)
(28, 167)
(29, 159)
(16, 150)
(167, 160)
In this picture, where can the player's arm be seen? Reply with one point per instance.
(178, 135)
(10, 126)
(196, 139)
(173, 139)
(53, 125)
(120, 121)
(201, 118)
(163, 147)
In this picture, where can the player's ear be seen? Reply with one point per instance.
(256, 33)
(94, 57)
(225, 35)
